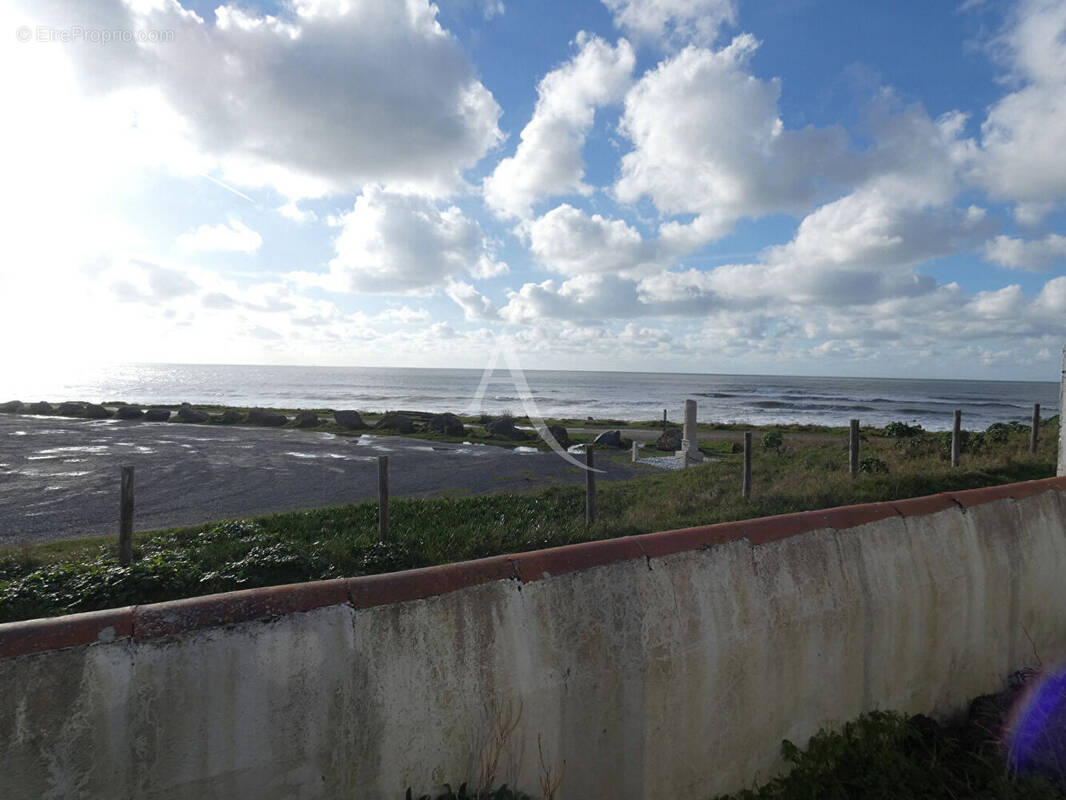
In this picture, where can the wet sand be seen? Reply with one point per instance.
(59, 477)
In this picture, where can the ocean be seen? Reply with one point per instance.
(748, 399)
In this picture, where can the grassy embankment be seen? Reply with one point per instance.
(808, 470)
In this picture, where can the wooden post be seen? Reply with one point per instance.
(664, 419)
(636, 450)
(1034, 435)
(383, 498)
(125, 527)
(853, 447)
(746, 486)
(1061, 469)
(590, 486)
(956, 437)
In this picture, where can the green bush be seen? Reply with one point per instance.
(772, 440)
(901, 430)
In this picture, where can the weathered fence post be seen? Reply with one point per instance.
(1034, 435)
(956, 437)
(590, 486)
(664, 419)
(853, 447)
(125, 526)
(636, 450)
(383, 498)
(746, 486)
(1061, 470)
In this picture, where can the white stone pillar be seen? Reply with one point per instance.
(690, 449)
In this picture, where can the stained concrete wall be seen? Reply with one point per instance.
(664, 665)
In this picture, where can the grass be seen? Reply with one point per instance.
(803, 473)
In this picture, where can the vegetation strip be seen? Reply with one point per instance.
(790, 478)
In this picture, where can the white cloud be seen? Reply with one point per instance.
(1024, 160)
(474, 304)
(548, 160)
(673, 20)
(232, 236)
(708, 141)
(1035, 256)
(569, 241)
(327, 96)
(404, 243)
(292, 210)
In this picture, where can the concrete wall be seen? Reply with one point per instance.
(664, 665)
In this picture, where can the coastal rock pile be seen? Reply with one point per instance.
(189, 414)
(394, 421)
(71, 409)
(11, 407)
(504, 427)
(94, 411)
(669, 440)
(157, 414)
(307, 419)
(612, 439)
(349, 419)
(448, 424)
(41, 408)
(129, 412)
(271, 419)
(231, 416)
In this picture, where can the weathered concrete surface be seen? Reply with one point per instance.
(664, 665)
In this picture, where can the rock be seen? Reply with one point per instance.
(272, 419)
(231, 416)
(11, 407)
(307, 419)
(190, 414)
(71, 409)
(448, 424)
(41, 408)
(94, 411)
(504, 427)
(129, 412)
(349, 419)
(611, 439)
(157, 414)
(396, 422)
(560, 434)
(669, 440)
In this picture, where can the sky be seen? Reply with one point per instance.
(721, 186)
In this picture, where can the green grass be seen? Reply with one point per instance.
(804, 473)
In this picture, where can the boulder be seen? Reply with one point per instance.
(231, 416)
(272, 419)
(41, 408)
(448, 424)
(307, 419)
(669, 440)
(190, 414)
(560, 434)
(71, 410)
(612, 439)
(504, 427)
(129, 412)
(94, 411)
(349, 419)
(396, 422)
(157, 414)
(11, 407)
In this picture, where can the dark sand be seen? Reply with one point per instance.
(59, 478)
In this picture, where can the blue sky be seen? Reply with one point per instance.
(804, 187)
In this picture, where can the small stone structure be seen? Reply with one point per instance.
(690, 449)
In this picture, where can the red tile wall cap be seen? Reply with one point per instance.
(923, 506)
(216, 610)
(417, 584)
(770, 529)
(539, 564)
(657, 545)
(73, 630)
(1015, 491)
